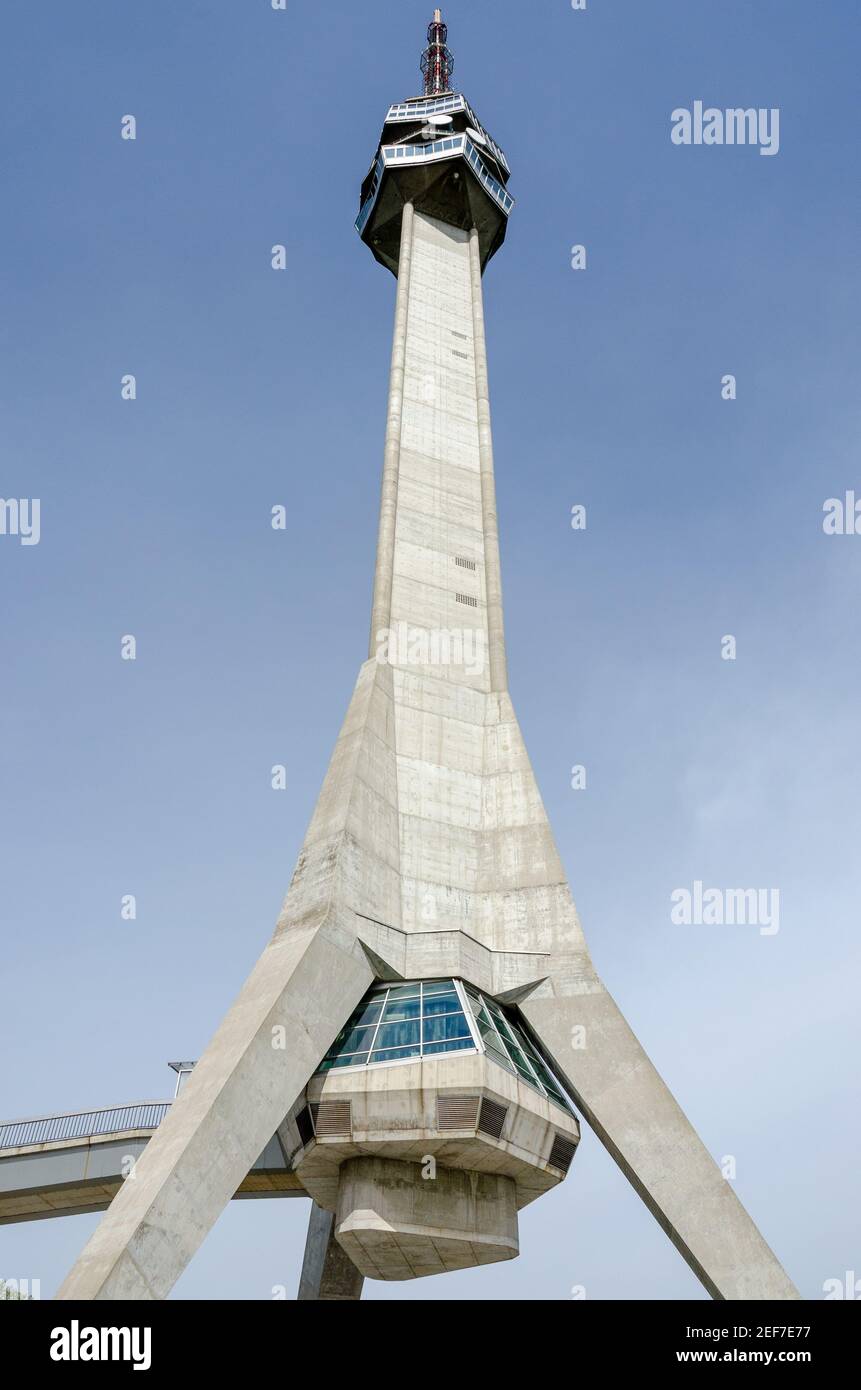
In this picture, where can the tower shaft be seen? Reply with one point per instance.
(437, 586)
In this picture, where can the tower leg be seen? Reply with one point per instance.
(640, 1124)
(328, 1273)
(304, 987)
(305, 984)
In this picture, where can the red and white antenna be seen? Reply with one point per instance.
(437, 60)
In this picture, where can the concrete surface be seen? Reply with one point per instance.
(396, 1224)
(328, 1273)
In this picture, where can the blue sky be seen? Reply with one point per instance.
(257, 388)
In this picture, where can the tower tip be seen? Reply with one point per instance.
(437, 63)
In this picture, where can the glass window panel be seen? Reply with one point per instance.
(553, 1088)
(522, 1041)
(394, 1054)
(391, 1020)
(534, 1057)
(543, 1071)
(447, 1026)
(543, 1074)
(556, 1096)
(355, 1059)
(338, 1044)
(501, 1039)
(441, 1004)
(397, 1035)
(505, 1030)
(367, 1013)
(399, 1009)
(453, 1045)
(494, 1050)
(514, 1053)
(526, 1075)
(501, 1061)
(520, 1062)
(489, 1034)
(355, 1040)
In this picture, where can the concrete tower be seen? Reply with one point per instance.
(409, 1033)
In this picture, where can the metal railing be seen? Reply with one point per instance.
(369, 202)
(493, 186)
(422, 108)
(86, 1124)
(392, 155)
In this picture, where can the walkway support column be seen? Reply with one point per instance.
(328, 1273)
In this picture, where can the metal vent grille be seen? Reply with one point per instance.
(562, 1153)
(304, 1125)
(455, 334)
(467, 599)
(491, 1118)
(464, 563)
(464, 355)
(456, 1112)
(332, 1118)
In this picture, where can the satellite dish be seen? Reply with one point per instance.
(439, 120)
(475, 136)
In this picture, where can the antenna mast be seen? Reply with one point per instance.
(437, 60)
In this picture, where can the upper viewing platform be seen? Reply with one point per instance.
(435, 153)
